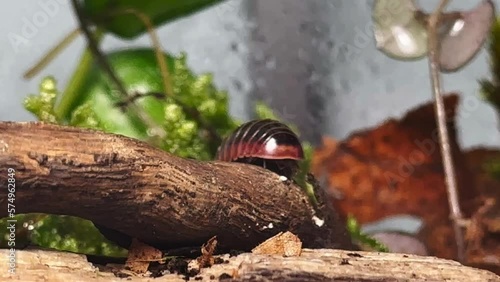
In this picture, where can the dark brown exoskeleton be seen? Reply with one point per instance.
(265, 142)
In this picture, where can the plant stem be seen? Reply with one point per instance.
(70, 94)
(449, 169)
(52, 54)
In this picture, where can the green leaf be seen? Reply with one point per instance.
(354, 230)
(97, 106)
(490, 89)
(105, 13)
(85, 117)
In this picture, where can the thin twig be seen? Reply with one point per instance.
(101, 60)
(52, 54)
(449, 169)
(155, 41)
(135, 96)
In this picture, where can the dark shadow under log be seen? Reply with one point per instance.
(160, 199)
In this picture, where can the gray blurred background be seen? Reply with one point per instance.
(311, 60)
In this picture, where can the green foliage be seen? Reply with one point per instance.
(96, 103)
(75, 235)
(85, 117)
(304, 169)
(64, 233)
(105, 13)
(139, 71)
(42, 105)
(187, 137)
(493, 167)
(23, 226)
(263, 111)
(354, 229)
(491, 88)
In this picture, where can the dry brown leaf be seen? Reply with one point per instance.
(207, 253)
(483, 238)
(140, 256)
(483, 232)
(395, 168)
(286, 244)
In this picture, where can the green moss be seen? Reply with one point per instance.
(64, 233)
(42, 104)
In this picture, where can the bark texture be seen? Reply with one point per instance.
(311, 265)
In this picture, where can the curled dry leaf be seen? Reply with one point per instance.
(286, 244)
(483, 237)
(395, 168)
(483, 232)
(207, 253)
(140, 256)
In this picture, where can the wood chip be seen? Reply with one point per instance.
(286, 244)
(207, 251)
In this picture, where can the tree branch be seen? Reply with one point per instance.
(148, 194)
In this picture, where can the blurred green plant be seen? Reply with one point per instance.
(490, 88)
(64, 233)
(107, 15)
(492, 167)
(95, 105)
(365, 240)
(42, 105)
